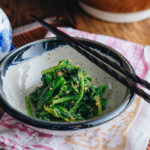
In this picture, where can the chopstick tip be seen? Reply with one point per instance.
(32, 16)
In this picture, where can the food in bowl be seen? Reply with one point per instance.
(66, 94)
(21, 74)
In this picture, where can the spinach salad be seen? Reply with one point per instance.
(66, 94)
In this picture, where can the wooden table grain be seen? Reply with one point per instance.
(19, 16)
(18, 12)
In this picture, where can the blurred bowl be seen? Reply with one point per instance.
(21, 73)
(5, 34)
(116, 10)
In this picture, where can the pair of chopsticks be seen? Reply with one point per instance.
(129, 79)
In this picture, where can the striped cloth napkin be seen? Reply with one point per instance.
(129, 131)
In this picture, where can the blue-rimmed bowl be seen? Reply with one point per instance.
(21, 73)
(5, 35)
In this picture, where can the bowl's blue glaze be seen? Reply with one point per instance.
(37, 48)
(5, 34)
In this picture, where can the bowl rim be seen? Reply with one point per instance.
(65, 126)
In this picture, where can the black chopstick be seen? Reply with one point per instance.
(70, 11)
(103, 58)
(103, 62)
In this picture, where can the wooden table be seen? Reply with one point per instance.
(18, 12)
(19, 16)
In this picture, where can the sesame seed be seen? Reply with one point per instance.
(69, 60)
(73, 118)
(59, 73)
(85, 88)
(97, 103)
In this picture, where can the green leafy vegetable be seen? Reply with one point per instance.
(28, 106)
(66, 94)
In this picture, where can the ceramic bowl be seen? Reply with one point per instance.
(117, 11)
(21, 73)
(5, 34)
